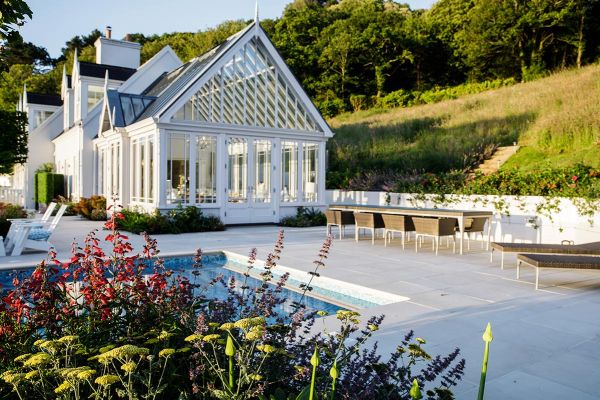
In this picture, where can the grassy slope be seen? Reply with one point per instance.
(555, 119)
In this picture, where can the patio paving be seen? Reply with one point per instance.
(546, 342)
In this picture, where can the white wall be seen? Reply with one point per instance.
(552, 226)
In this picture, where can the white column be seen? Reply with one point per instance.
(222, 171)
(321, 174)
(124, 181)
(161, 164)
(276, 169)
(192, 172)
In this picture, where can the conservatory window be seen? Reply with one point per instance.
(151, 195)
(206, 169)
(178, 169)
(94, 95)
(116, 163)
(248, 90)
(289, 172)
(262, 171)
(135, 170)
(237, 151)
(310, 171)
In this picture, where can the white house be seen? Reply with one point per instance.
(231, 131)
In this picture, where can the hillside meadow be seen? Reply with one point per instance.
(556, 120)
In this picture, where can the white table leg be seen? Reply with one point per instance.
(461, 228)
(489, 233)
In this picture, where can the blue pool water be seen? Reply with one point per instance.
(214, 265)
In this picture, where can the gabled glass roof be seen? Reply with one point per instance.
(249, 90)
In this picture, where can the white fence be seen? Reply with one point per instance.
(14, 196)
(529, 219)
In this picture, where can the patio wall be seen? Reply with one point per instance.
(565, 224)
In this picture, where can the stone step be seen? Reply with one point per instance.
(500, 156)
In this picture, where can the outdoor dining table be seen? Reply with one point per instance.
(460, 215)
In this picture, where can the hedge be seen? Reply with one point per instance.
(48, 186)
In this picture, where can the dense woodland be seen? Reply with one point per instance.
(351, 54)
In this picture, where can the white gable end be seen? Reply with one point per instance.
(248, 85)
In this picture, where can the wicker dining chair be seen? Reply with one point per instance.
(434, 228)
(340, 219)
(475, 225)
(396, 223)
(367, 221)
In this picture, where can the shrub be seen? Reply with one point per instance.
(71, 207)
(133, 329)
(305, 217)
(9, 211)
(179, 220)
(48, 185)
(93, 208)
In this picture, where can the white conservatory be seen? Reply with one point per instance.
(231, 132)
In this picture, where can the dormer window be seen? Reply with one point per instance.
(39, 117)
(95, 94)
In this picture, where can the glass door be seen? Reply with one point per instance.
(261, 189)
(237, 180)
(249, 181)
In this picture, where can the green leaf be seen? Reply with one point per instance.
(304, 394)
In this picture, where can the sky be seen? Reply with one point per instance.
(56, 21)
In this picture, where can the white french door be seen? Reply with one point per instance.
(250, 183)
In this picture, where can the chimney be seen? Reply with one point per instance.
(121, 53)
(127, 37)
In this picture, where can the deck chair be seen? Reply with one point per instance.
(15, 222)
(434, 228)
(556, 261)
(566, 247)
(36, 235)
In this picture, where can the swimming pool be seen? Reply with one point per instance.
(327, 295)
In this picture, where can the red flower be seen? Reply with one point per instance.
(574, 178)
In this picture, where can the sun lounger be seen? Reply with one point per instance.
(556, 261)
(592, 248)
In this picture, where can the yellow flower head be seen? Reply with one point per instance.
(129, 367)
(227, 326)
(166, 353)
(254, 335)
(22, 357)
(266, 348)
(243, 323)
(164, 335)
(31, 374)
(50, 345)
(256, 377)
(68, 339)
(211, 338)
(63, 388)
(106, 380)
(86, 375)
(38, 342)
(107, 348)
(193, 338)
(12, 378)
(38, 360)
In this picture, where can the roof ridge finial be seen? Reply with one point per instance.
(256, 12)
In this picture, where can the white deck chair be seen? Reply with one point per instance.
(15, 222)
(36, 235)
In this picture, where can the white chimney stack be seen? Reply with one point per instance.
(120, 53)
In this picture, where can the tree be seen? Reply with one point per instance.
(12, 14)
(17, 51)
(13, 140)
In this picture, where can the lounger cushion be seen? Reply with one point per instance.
(38, 234)
(585, 248)
(560, 261)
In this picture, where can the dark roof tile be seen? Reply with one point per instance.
(46, 99)
(99, 71)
